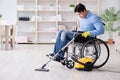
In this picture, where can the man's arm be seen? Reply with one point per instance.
(99, 27)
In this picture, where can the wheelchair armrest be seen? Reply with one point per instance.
(77, 33)
(78, 37)
(74, 31)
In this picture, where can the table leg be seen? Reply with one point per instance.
(6, 37)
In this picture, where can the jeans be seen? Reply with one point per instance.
(62, 39)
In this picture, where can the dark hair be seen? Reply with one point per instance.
(79, 8)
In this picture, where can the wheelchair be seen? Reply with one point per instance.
(90, 47)
(86, 48)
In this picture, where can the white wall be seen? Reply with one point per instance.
(110, 3)
(8, 10)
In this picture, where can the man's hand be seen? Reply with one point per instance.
(85, 34)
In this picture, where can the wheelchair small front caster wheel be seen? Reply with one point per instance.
(70, 64)
(63, 62)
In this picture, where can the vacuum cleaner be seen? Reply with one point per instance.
(52, 59)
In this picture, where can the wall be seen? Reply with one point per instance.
(8, 10)
(110, 3)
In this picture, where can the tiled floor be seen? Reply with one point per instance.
(19, 64)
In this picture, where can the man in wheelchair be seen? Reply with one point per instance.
(89, 25)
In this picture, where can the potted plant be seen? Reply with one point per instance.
(110, 16)
(71, 6)
(0, 16)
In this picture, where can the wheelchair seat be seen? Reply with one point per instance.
(80, 39)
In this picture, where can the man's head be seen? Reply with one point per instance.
(80, 10)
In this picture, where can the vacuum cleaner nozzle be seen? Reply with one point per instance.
(42, 69)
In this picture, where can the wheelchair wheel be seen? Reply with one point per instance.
(70, 64)
(97, 50)
(64, 62)
(77, 50)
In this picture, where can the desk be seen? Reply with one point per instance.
(5, 35)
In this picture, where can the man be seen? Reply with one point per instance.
(90, 24)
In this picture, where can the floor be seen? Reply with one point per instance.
(20, 62)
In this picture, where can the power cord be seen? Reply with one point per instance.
(109, 71)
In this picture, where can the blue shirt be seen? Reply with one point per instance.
(91, 23)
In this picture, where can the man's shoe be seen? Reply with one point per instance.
(50, 55)
(58, 58)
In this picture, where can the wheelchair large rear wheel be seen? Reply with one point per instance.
(96, 49)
